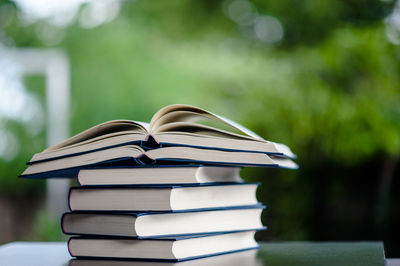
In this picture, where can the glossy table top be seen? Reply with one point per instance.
(270, 253)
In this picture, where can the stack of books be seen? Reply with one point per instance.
(165, 191)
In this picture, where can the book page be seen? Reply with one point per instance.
(105, 128)
(198, 129)
(187, 113)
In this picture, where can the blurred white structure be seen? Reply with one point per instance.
(53, 64)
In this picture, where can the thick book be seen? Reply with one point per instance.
(168, 249)
(243, 258)
(135, 155)
(153, 224)
(165, 198)
(174, 134)
(173, 125)
(163, 175)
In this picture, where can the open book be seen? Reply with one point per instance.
(174, 134)
(135, 155)
(173, 125)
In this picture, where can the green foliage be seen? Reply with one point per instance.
(329, 89)
(47, 228)
(27, 145)
(310, 22)
(343, 91)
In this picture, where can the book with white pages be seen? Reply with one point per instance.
(162, 224)
(135, 155)
(162, 175)
(162, 198)
(168, 249)
(248, 258)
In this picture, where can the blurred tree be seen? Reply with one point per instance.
(321, 77)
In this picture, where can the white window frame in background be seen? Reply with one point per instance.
(54, 65)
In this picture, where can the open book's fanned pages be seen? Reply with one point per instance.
(135, 155)
(174, 125)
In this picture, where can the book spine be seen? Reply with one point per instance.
(150, 143)
(69, 199)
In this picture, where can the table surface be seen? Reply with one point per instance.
(270, 253)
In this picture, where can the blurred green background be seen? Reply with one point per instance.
(320, 76)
